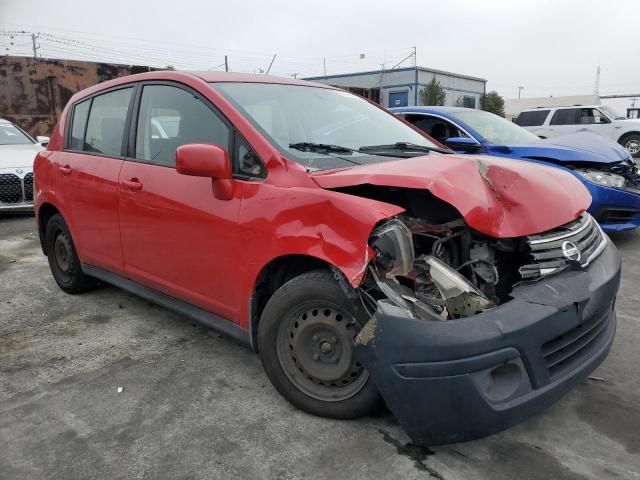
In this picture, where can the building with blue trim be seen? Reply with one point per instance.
(401, 87)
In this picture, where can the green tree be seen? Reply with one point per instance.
(492, 102)
(433, 94)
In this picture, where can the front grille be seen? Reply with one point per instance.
(568, 350)
(579, 241)
(10, 188)
(28, 187)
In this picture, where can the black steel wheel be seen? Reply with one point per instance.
(63, 258)
(314, 349)
(305, 339)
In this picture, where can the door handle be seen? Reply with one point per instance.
(66, 170)
(133, 184)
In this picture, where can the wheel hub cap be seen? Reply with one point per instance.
(633, 146)
(62, 250)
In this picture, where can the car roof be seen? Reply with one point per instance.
(431, 109)
(189, 77)
(534, 109)
(2, 120)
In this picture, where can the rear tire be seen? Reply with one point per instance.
(63, 258)
(632, 143)
(305, 338)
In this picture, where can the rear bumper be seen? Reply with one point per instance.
(459, 380)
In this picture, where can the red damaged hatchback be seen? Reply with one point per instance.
(364, 262)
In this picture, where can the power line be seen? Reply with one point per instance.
(177, 55)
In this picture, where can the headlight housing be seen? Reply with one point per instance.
(603, 178)
(393, 244)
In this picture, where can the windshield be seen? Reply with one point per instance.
(612, 113)
(12, 135)
(293, 116)
(495, 130)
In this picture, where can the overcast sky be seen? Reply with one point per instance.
(547, 46)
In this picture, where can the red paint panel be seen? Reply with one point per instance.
(499, 197)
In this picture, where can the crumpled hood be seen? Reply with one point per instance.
(581, 146)
(499, 197)
(19, 156)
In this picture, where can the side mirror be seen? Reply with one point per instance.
(464, 144)
(604, 119)
(207, 160)
(44, 141)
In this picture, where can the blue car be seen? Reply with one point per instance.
(603, 166)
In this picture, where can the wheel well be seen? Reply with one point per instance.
(44, 214)
(272, 276)
(624, 136)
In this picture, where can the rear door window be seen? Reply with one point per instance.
(171, 116)
(534, 118)
(566, 116)
(105, 127)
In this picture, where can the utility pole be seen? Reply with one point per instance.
(226, 64)
(415, 57)
(520, 91)
(596, 90)
(34, 37)
(324, 67)
(272, 60)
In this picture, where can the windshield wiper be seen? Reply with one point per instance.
(324, 149)
(402, 146)
(320, 147)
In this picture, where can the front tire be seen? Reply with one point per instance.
(632, 143)
(305, 337)
(63, 258)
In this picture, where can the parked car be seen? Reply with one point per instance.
(17, 151)
(600, 119)
(602, 165)
(360, 259)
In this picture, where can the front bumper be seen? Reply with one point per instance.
(457, 380)
(616, 210)
(26, 207)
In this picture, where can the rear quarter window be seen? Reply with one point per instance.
(533, 118)
(79, 124)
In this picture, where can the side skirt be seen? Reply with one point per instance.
(198, 314)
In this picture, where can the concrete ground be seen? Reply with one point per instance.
(196, 405)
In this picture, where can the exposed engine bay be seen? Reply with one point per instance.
(441, 271)
(430, 263)
(618, 174)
